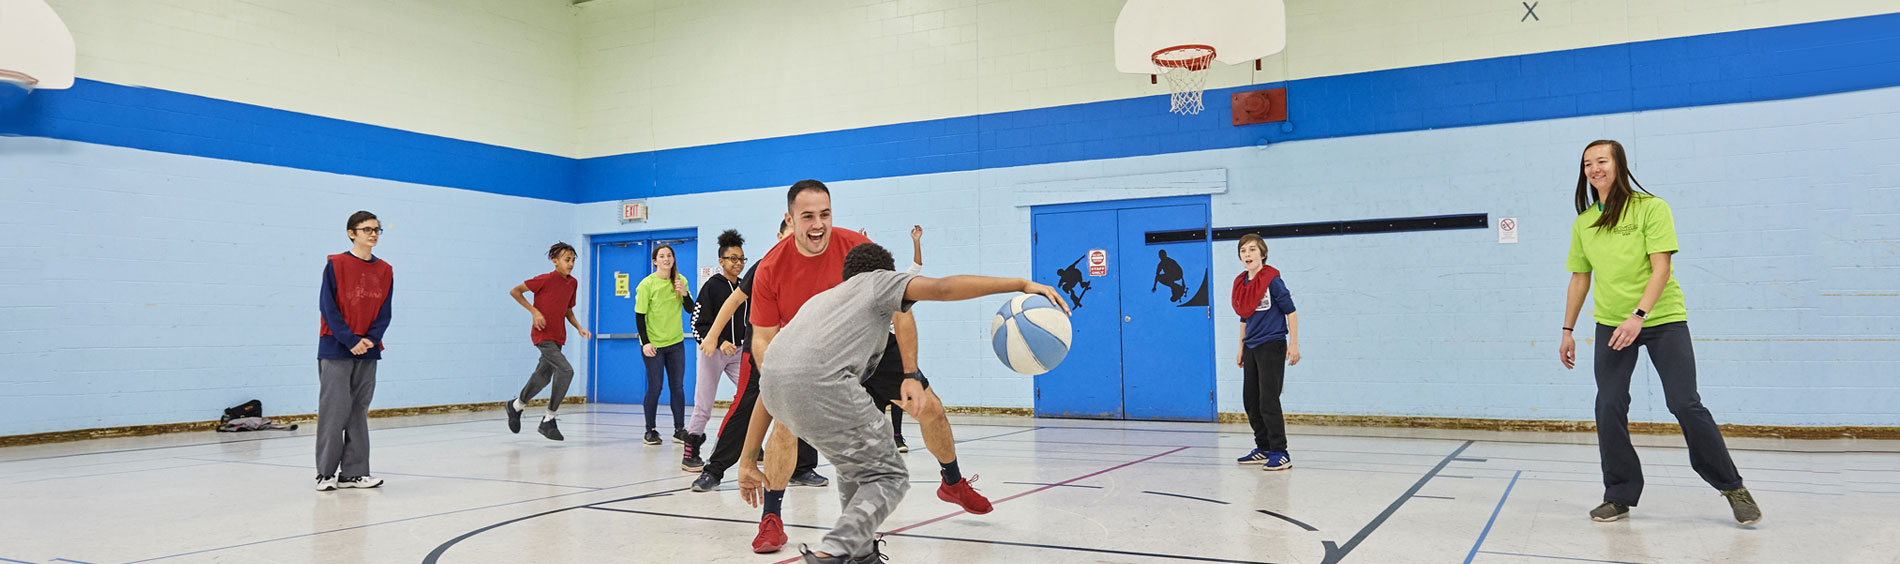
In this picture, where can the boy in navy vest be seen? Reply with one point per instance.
(354, 303)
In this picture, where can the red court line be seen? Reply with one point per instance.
(1000, 501)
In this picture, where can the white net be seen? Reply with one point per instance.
(1185, 68)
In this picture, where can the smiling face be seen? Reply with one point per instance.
(663, 259)
(1600, 167)
(810, 221)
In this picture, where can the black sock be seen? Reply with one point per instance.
(774, 499)
(951, 474)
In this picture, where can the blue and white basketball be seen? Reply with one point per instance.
(1030, 334)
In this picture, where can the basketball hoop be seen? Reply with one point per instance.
(1185, 67)
(19, 80)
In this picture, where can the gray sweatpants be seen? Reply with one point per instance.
(833, 413)
(345, 388)
(553, 366)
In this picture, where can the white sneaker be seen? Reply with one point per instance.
(326, 483)
(359, 482)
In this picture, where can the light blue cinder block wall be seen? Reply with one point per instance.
(1786, 210)
(144, 287)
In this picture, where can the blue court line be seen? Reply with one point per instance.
(1558, 557)
(15, 561)
(401, 474)
(1494, 517)
(72, 561)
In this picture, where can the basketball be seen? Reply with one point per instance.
(1030, 334)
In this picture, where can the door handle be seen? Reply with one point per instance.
(1126, 319)
(616, 335)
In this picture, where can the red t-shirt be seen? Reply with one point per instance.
(553, 296)
(787, 278)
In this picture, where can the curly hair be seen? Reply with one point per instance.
(729, 239)
(867, 257)
(554, 252)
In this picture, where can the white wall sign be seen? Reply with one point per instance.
(1507, 230)
(1098, 262)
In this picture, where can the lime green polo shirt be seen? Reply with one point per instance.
(655, 298)
(1619, 260)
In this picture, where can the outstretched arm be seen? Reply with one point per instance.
(963, 287)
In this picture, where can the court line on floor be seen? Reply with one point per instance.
(471, 478)
(1187, 497)
(1302, 525)
(1494, 517)
(1557, 557)
(944, 538)
(1335, 553)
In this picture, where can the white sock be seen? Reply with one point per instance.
(549, 417)
(518, 405)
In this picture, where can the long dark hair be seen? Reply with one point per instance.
(673, 271)
(1622, 188)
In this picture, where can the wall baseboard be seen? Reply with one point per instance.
(193, 426)
(1388, 421)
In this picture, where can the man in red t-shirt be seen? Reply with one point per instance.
(805, 263)
(553, 300)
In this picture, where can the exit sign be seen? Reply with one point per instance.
(633, 210)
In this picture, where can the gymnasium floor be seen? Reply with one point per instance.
(462, 490)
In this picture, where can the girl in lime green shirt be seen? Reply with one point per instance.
(660, 301)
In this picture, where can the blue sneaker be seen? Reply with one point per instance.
(1256, 457)
(1278, 461)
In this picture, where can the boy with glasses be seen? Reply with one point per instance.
(354, 308)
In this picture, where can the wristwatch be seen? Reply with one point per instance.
(918, 376)
(1640, 314)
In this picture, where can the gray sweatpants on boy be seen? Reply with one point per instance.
(833, 413)
(345, 388)
(553, 366)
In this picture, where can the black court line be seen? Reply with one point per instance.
(1296, 522)
(1057, 485)
(1459, 477)
(953, 539)
(504, 480)
(1188, 497)
(436, 554)
(1556, 557)
(1462, 459)
(1434, 497)
(1335, 553)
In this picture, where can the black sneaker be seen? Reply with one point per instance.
(1740, 501)
(806, 556)
(652, 438)
(514, 416)
(551, 431)
(901, 447)
(809, 478)
(1609, 511)
(707, 481)
(690, 461)
(679, 436)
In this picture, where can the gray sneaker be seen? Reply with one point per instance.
(1609, 511)
(808, 479)
(1746, 512)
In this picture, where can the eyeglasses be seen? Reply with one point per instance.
(369, 230)
(740, 260)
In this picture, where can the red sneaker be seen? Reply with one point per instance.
(964, 494)
(771, 535)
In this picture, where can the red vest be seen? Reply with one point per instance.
(362, 288)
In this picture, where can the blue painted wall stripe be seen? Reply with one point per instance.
(185, 124)
(1743, 66)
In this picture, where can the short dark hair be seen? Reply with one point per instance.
(358, 218)
(801, 187)
(554, 252)
(867, 257)
(782, 224)
(729, 239)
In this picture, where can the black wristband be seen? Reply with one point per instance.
(1570, 330)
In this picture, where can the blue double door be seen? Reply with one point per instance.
(1143, 343)
(621, 261)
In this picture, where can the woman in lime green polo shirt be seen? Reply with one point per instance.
(658, 305)
(1625, 240)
